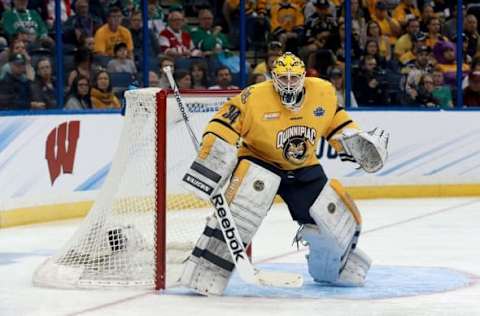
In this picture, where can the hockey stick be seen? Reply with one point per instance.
(230, 232)
(181, 106)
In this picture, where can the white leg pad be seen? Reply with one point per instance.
(335, 236)
(250, 194)
(355, 270)
(324, 256)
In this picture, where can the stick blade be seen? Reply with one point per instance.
(279, 279)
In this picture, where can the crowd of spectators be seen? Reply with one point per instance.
(403, 52)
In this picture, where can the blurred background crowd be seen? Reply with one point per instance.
(403, 52)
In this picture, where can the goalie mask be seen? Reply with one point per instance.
(288, 74)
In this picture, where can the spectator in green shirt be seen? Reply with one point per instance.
(441, 91)
(206, 37)
(19, 17)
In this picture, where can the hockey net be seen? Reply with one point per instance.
(143, 224)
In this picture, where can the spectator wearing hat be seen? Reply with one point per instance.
(405, 42)
(419, 40)
(112, 33)
(43, 87)
(121, 62)
(405, 11)
(17, 46)
(389, 26)
(319, 27)
(15, 87)
(471, 94)
(416, 69)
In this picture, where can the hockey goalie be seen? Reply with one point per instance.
(262, 143)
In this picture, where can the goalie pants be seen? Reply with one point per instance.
(298, 188)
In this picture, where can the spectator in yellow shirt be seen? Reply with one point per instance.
(388, 26)
(112, 33)
(406, 10)
(405, 42)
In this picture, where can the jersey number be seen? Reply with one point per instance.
(232, 114)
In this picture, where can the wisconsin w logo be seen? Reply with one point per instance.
(60, 148)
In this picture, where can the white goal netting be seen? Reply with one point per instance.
(115, 244)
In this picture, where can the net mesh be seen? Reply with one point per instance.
(115, 244)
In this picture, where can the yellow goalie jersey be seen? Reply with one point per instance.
(257, 121)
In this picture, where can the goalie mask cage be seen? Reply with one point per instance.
(143, 224)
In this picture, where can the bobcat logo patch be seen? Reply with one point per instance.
(294, 141)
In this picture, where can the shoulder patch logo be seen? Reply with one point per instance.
(245, 94)
(319, 111)
(271, 116)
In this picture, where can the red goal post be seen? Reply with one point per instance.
(167, 104)
(143, 224)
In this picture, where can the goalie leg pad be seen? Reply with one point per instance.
(335, 235)
(250, 194)
(355, 269)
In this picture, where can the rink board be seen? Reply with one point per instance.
(432, 154)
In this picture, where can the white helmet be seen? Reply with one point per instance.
(288, 74)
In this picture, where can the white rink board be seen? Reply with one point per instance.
(24, 170)
(425, 148)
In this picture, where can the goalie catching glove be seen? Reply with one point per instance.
(213, 166)
(368, 149)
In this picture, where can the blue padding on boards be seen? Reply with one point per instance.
(382, 282)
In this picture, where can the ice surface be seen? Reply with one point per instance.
(426, 261)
